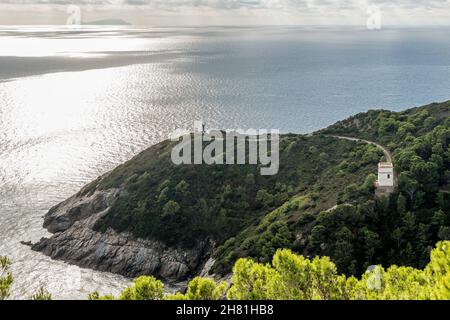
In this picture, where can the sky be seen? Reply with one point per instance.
(227, 12)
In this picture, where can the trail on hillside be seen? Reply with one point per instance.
(386, 152)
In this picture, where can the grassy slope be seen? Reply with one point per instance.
(250, 215)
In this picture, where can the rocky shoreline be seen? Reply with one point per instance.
(75, 241)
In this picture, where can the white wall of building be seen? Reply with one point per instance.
(385, 177)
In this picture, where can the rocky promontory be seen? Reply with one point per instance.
(151, 216)
(75, 241)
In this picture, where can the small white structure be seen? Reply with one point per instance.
(385, 185)
(385, 174)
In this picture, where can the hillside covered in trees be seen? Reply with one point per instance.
(364, 230)
(293, 277)
(290, 277)
(246, 215)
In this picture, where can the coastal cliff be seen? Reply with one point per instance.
(149, 216)
(76, 242)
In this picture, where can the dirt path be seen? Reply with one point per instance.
(386, 152)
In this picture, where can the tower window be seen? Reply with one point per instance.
(389, 176)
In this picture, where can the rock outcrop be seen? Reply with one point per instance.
(75, 241)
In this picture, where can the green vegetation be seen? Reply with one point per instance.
(201, 289)
(269, 231)
(42, 294)
(249, 215)
(294, 277)
(181, 205)
(6, 278)
(144, 288)
(404, 228)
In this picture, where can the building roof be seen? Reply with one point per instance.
(385, 165)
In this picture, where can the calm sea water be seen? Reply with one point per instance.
(76, 103)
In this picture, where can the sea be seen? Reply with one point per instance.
(77, 102)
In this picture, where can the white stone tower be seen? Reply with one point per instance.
(385, 184)
(385, 174)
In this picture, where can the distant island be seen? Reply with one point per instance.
(107, 22)
(151, 217)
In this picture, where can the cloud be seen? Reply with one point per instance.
(248, 4)
(241, 11)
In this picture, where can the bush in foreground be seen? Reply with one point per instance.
(294, 277)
